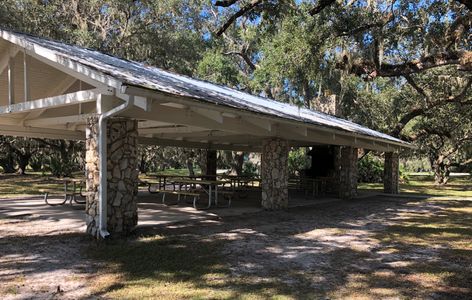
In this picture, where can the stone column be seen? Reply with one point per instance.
(274, 174)
(391, 173)
(122, 175)
(348, 173)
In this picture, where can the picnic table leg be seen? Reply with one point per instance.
(209, 196)
(66, 189)
(46, 195)
(74, 188)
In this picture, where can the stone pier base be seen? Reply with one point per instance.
(391, 173)
(274, 173)
(348, 173)
(122, 176)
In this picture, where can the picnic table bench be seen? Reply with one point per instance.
(187, 186)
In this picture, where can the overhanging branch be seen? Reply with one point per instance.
(242, 11)
(463, 59)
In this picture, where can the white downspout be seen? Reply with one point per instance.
(102, 153)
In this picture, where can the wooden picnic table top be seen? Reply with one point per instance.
(194, 181)
(68, 179)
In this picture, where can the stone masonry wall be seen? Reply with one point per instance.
(122, 175)
(274, 173)
(348, 173)
(391, 173)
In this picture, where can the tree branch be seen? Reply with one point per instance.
(418, 111)
(322, 4)
(244, 57)
(467, 3)
(365, 67)
(378, 24)
(243, 10)
(419, 89)
(225, 3)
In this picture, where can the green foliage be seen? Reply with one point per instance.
(250, 169)
(370, 169)
(60, 167)
(218, 68)
(36, 163)
(297, 161)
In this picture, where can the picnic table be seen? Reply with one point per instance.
(210, 187)
(69, 194)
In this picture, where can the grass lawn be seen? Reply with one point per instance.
(424, 184)
(36, 183)
(372, 248)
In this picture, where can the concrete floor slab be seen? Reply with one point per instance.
(151, 211)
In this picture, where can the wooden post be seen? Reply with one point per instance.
(26, 77)
(11, 79)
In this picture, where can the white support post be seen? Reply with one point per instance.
(26, 77)
(11, 79)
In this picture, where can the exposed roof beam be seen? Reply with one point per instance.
(56, 101)
(45, 122)
(261, 123)
(210, 114)
(41, 132)
(196, 145)
(170, 129)
(10, 121)
(187, 117)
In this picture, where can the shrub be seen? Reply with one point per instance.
(36, 163)
(297, 161)
(370, 169)
(250, 169)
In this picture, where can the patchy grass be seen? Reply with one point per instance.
(424, 185)
(172, 267)
(28, 185)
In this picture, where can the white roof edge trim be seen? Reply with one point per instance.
(61, 62)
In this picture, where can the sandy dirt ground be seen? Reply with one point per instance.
(337, 249)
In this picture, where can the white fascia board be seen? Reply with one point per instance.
(62, 63)
(51, 102)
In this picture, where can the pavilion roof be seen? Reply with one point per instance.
(127, 73)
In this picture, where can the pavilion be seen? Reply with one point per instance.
(53, 90)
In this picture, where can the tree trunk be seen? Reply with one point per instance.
(23, 161)
(143, 166)
(238, 163)
(440, 170)
(191, 172)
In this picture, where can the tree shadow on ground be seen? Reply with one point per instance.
(340, 250)
(375, 247)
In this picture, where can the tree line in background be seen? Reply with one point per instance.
(397, 66)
